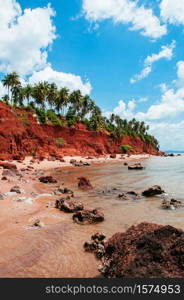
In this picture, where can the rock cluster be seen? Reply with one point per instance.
(146, 250)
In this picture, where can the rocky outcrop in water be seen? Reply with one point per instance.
(147, 251)
(96, 245)
(136, 166)
(171, 204)
(84, 184)
(47, 179)
(88, 216)
(69, 205)
(153, 191)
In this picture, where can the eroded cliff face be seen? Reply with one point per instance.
(21, 135)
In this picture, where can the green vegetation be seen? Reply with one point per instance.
(59, 142)
(125, 148)
(60, 107)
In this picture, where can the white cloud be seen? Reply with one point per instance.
(125, 12)
(165, 53)
(143, 100)
(143, 74)
(24, 37)
(172, 11)
(71, 81)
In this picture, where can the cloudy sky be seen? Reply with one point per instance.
(128, 55)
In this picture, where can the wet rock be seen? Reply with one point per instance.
(16, 189)
(125, 164)
(171, 204)
(84, 184)
(38, 223)
(112, 155)
(9, 166)
(86, 163)
(153, 191)
(88, 216)
(4, 178)
(96, 245)
(73, 161)
(98, 236)
(145, 251)
(47, 179)
(129, 196)
(69, 205)
(136, 166)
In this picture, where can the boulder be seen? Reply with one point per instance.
(84, 184)
(129, 195)
(113, 155)
(4, 178)
(145, 251)
(136, 166)
(16, 189)
(73, 161)
(171, 204)
(96, 245)
(88, 216)
(47, 179)
(153, 191)
(68, 205)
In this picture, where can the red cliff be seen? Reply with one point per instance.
(21, 135)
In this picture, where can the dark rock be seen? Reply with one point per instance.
(112, 155)
(171, 204)
(73, 161)
(88, 216)
(4, 178)
(47, 179)
(84, 184)
(125, 164)
(96, 245)
(1, 197)
(136, 166)
(145, 251)
(16, 189)
(98, 236)
(129, 196)
(69, 205)
(153, 191)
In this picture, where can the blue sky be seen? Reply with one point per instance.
(104, 47)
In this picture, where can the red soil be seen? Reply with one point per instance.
(21, 135)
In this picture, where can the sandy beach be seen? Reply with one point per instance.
(54, 249)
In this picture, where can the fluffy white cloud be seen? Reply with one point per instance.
(172, 11)
(166, 52)
(126, 12)
(24, 37)
(71, 81)
(170, 135)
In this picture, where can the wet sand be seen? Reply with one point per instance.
(55, 250)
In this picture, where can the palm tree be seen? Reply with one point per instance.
(17, 94)
(76, 100)
(28, 92)
(52, 94)
(40, 93)
(10, 81)
(62, 99)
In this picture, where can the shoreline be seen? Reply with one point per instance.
(32, 246)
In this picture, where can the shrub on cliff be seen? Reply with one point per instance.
(52, 117)
(60, 142)
(125, 148)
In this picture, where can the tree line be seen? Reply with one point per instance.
(64, 107)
